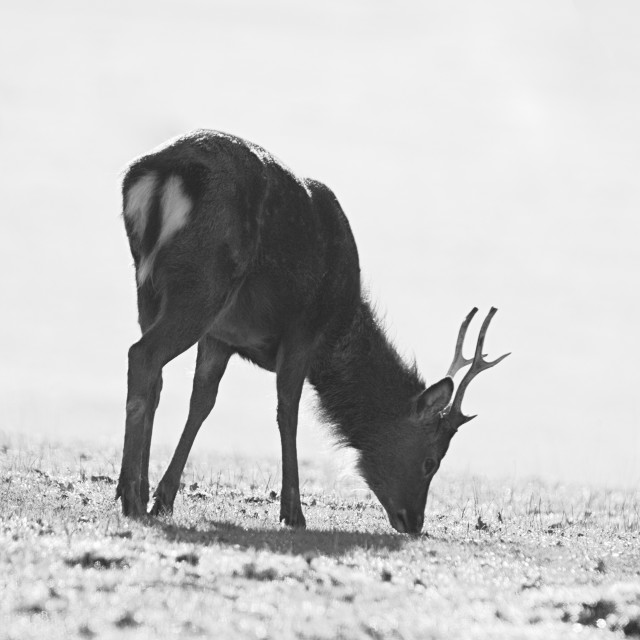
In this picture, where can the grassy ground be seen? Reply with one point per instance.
(523, 560)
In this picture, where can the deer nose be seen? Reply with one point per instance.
(408, 523)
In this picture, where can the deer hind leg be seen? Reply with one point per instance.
(149, 302)
(291, 370)
(152, 405)
(211, 364)
(177, 328)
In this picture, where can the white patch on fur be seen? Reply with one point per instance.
(144, 269)
(175, 206)
(138, 201)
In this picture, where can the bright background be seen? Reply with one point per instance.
(486, 153)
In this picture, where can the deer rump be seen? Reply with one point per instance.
(223, 220)
(235, 253)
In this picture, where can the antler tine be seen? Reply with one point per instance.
(479, 364)
(459, 361)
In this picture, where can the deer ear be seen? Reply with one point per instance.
(434, 399)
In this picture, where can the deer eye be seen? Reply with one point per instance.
(428, 466)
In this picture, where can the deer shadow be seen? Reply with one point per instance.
(280, 540)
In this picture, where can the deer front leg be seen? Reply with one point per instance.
(291, 370)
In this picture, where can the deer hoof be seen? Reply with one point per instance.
(295, 520)
(144, 492)
(160, 508)
(163, 503)
(131, 503)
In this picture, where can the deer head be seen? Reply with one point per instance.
(401, 481)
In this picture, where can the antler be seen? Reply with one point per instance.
(459, 361)
(453, 414)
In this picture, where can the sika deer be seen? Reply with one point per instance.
(235, 253)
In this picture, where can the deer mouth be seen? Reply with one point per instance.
(405, 522)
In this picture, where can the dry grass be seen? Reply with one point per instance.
(523, 560)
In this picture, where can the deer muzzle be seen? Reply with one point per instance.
(405, 521)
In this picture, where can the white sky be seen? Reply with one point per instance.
(485, 154)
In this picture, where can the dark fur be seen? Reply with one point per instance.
(266, 267)
(363, 385)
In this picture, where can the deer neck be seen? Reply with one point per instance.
(362, 382)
